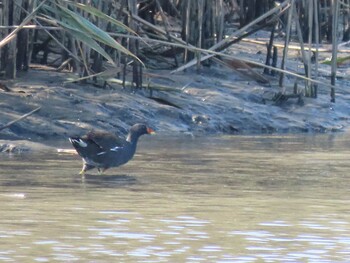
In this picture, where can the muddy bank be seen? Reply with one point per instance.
(213, 101)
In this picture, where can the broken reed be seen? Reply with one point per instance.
(203, 25)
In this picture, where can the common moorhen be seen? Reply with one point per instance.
(103, 150)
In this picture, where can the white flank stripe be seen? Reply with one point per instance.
(80, 142)
(116, 148)
(100, 153)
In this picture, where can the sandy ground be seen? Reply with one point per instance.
(215, 100)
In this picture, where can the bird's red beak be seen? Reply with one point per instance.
(150, 131)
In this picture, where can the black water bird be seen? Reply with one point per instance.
(103, 150)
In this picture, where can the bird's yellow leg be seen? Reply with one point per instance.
(85, 168)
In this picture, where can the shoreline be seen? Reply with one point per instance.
(212, 102)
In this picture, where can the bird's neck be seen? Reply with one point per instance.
(132, 139)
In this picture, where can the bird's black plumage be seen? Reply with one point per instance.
(103, 150)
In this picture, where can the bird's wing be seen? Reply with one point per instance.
(105, 140)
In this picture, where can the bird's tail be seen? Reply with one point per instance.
(78, 142)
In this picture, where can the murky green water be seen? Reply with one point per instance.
(230, 199)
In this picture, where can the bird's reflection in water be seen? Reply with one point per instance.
(116, 180)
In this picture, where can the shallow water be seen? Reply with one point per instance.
(228, 199)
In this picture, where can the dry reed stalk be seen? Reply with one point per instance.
(22, 56)
(200, 29)
(346, 19)
(97, 65)
(269, 50)
(294, 47)
(335, 11)
(134, 47)
(187, 27)
(301, 41)
(286, 43)
(8, 38)
(37, 27)
(166, 27)
(317, 40)
(58, 42)
(240, 31)
(308, 88)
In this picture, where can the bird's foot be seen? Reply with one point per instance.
(100, 170)
(82, 173)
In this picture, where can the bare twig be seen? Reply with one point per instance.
(25, 22)
(20, 118)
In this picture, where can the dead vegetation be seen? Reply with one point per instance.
(113, 42)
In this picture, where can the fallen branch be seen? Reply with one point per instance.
(20, 118)
(294, 46)
(224, 42)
